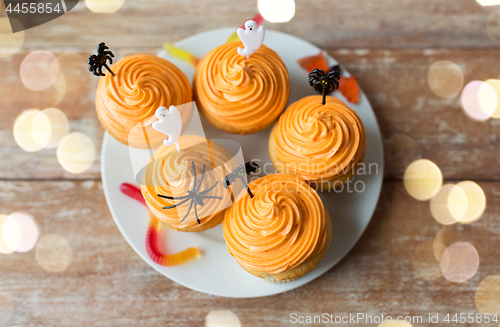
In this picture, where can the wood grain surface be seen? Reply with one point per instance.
(395, 81)
(108, 284)
(389, 44)
(326, 23)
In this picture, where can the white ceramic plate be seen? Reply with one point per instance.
(216, 272)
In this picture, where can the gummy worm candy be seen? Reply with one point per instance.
(132, 192)
(181, 54)
(155, 253)
(153, 233)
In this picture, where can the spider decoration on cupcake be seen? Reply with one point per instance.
(98, 61)
(239, 173)
(324, 83)
(194, 197)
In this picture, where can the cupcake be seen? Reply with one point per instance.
(281, 233)
(171, 174)
(240, 95)
(129, 100)
(321, 144)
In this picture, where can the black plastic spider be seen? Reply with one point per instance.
(193, 196)
(337, 68)
(96, 62)
(324, 83)
(239, 173)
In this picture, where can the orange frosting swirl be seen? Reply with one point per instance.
(241, 93)
(319, 142)
(141, 84)
(280, 228)
(171, 174)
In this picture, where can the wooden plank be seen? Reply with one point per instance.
(326, 23)
(415, 123)
(108, 284)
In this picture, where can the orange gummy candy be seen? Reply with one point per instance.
(313, 62)
(349, 88)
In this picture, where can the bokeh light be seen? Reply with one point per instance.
(222, 318)
(479, 100)
(488, 295)
(6, 308)
(77, 77)
(459, 262)
(445, 79)
(488, 2)
(57, 91)
(23, 130)
(49, 127)
(424, 263)
(3, 247)
(449, 205)
(493, 26)
(10, 42)
(39, 70)
(53, 253)
(495, 84)
(395, 324)
(447, 236)
(76, 153)
(422, 179)
(457, 203)
(104, 6)
(464, 203)
(488, 99)
(476, 202)
(277, 11)
(20, 232)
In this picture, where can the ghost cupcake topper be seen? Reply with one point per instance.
(251, 37)
(169, 123)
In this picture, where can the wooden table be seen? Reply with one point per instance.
(389, 44)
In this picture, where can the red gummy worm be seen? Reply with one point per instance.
(133, 192)
(153, 233)
(156, 255)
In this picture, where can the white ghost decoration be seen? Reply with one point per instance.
(252, 38)
(169, 123)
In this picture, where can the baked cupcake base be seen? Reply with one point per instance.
(328, 185)
(170, 176)
(214, 221)
(127, 101)
(229, 129)
(305, 267)
(241, 95)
